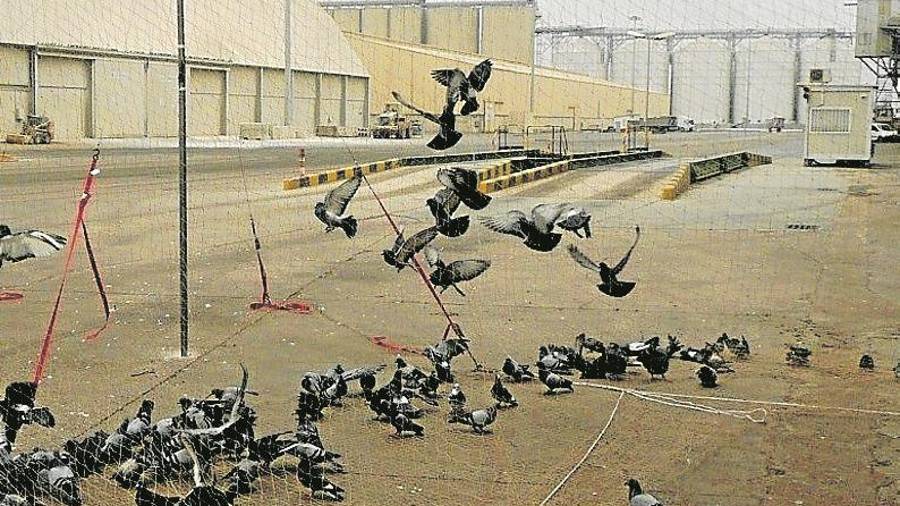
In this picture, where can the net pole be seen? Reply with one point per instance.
(182, 183)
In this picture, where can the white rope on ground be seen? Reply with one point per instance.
(586, 455)
(666, 398)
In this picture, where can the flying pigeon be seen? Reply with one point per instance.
(442, 206)
(708, 377)
(447, 136)
(502, 395)
(448, 275)
(463, 88)
(611, 285)
(405, 427)
(637, 497)
(867, 363)
(568, 216)
(404, 249)
(553, 381)
(464, 182)
(516, 371)
(536, 231)
(15, 247)
(332, 211)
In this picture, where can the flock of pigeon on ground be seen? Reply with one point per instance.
(217, 431)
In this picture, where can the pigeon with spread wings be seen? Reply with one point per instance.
(462, 87)
(610, 283)
(464, 182)
(442, 206)
(332, 211)
(404, 249)
(447, 137)
(537, 231)
(15, 247)
(447, 275)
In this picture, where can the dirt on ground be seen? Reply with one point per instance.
(719, 259)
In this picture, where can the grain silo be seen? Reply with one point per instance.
(700, 80)
(630, 66)
(836, 56)
(765, 83)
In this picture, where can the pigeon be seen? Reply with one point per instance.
(448, 275)
(464, 183)
(739, 347)
(405, 427)
(404, 249)
(583, 341)
(447, 136)
(59, 481)
(867, 363)
(674, 346)
(456, 398)
(656, 361)
(708, 377)
(638, 347)
(552, 361)
(442, 206)
(536, 231)
(320, 487)
(897, 370)
(17, 409)
(616, 362)
(15, 247)
(367, 383)
(462, 87)
(610, 284)
(332, 211)
(568, 216)
(502, 395)
(517, 372)
(637, 497)
(798, 356)
(553, 381)
(480, 419)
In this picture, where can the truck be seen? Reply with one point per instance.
(392, 124)
(659, 124)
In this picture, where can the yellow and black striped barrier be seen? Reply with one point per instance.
(524, 177)
(705, 168)
(334, 175)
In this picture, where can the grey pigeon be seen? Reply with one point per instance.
(708, 377)
(462, 87)
(464, 182)
(568, 216)
(584, 341)
(637, 497)
(516, 371)
(448, 275)
(610, 283)
(480, 419)
(405, 427)
(447, 136)
(554, 382)
(403, 250)
(15, 247)
(332, 211)
(442, 206)
(536, 231)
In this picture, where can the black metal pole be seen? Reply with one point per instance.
(182, 181)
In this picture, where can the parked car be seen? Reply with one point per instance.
(882, 132)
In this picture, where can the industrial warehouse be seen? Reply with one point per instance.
(588, 252)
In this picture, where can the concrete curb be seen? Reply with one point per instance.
(704, 168)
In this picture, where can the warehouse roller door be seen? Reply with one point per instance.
(64, 94)
(206, 113)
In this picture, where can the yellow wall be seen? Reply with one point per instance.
(14, 92)
(406, 69)
(509, 33)
(406, 24)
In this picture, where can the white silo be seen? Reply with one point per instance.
(630, 67)
(835, 55)
(765, 82)
(581, 55)
(700, 80)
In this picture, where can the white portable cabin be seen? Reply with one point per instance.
(838, 123)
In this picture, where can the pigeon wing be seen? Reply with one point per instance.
(30, 244)
(425, 114)
(448, 200)
(511, 223)
(416, 243)
(465, 270)
(582, 259)
(458, 179)
(337, 199)
(398, 242)
(479, 76)
(432, 255)
(621, 265)
(545, 216)
(445, 76)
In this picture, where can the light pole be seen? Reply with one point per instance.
(650, 39)
(634, 24)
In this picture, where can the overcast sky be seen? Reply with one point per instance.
(700, 14)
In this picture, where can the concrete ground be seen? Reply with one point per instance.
(718, 259)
